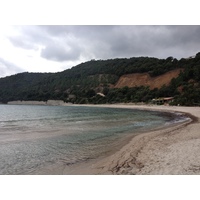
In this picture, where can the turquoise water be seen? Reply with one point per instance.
(35, 136)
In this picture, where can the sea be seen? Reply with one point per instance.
(32, 137)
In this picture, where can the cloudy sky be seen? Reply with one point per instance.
(56, 48)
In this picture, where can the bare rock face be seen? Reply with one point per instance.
(144, 79)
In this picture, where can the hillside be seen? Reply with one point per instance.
(144, 79)
(119, 80)
(13, 87)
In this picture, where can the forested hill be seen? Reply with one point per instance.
(103, 81)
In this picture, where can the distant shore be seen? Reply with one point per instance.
(48, 103)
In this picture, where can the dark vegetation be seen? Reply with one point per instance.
(82, 83)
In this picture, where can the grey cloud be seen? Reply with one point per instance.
(60, 53)
(57, 44)
(77, 30)
(69, 43)
(55, 30)
(7, 68)
(22, 43)
(158, 41)
(29, 37)
(129, 41)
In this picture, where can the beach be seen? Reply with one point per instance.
(170, 151)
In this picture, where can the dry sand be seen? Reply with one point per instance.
(174, 150)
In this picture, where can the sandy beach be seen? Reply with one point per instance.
(170, 151)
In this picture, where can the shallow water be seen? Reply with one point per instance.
(35, 136)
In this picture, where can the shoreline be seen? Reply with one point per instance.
(169, 150)
(172, 149)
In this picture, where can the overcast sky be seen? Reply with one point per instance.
(56, 48)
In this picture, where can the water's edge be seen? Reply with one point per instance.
(179, 118)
